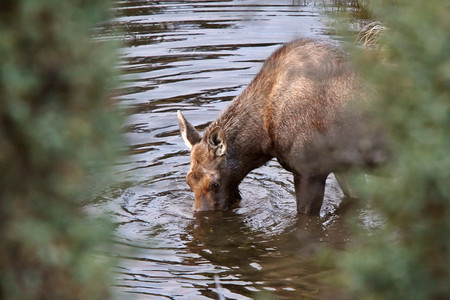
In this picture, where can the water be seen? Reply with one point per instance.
(195, 56)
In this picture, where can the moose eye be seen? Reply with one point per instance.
(214, 187)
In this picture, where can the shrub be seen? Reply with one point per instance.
(57, 132)
(408, 257)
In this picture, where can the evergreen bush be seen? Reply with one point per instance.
(58, 132)
(408, 258)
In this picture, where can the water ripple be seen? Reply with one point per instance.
(197, 56)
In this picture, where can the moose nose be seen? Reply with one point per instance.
(203, 204)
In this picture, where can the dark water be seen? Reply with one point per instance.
(195, 56)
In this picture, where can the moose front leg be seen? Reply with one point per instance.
(309, 190)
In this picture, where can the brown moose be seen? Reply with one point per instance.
(296, 110)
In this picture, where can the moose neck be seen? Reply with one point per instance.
(244, 128)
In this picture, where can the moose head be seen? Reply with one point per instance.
(210, 176)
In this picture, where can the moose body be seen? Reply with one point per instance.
(297, 110)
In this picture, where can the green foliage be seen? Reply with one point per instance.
(57, 134)
(409, 257)
(350, 10)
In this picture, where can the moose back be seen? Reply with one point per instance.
(297, 110)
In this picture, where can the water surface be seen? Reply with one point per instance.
(195, 56)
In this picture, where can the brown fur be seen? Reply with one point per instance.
(296, 109)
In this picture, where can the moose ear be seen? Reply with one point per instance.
(188, 132)
(217, 142)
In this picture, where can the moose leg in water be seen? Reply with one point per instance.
(344, 182)
(294, 110)
(309, 191)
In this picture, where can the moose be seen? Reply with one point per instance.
(300, 109)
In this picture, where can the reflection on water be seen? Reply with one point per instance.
(281, 263)
(196, 56)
